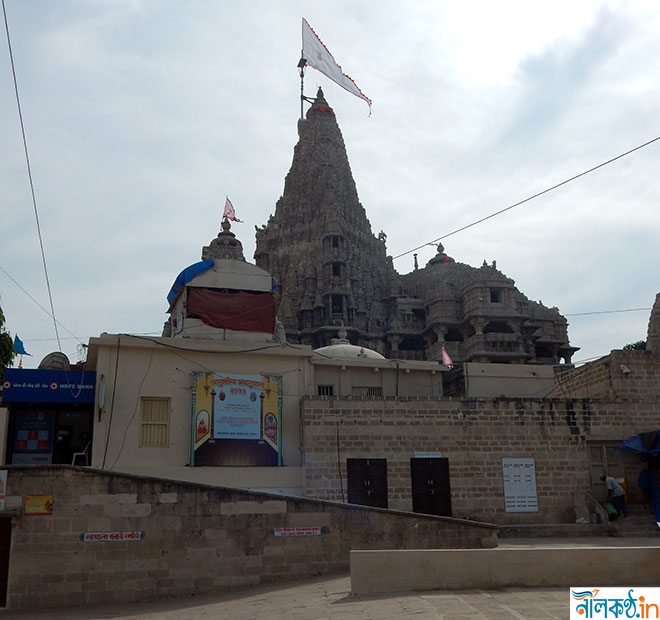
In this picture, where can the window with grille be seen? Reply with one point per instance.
(155, 423)
(367, 390)
(326, 390)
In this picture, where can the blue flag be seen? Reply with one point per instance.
(19, 347)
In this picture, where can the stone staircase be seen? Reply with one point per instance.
(640, 523)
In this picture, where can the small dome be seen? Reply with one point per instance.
(345, 350)
(55, 361)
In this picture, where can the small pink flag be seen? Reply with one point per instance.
(229, 213)
(446, 360)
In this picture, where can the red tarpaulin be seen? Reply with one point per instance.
(248, 312)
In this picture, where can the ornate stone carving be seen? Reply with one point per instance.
(331, 270)
(225, 245)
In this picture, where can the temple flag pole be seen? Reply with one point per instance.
(301, 66)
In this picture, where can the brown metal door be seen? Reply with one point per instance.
(367, 482)
(431, 493)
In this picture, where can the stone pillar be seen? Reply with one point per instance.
(479, 325)
(394, 342)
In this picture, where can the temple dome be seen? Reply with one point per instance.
(342, 349)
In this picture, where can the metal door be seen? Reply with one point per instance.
(367, 482)
(431, 493)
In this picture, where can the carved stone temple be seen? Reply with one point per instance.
(332, 271)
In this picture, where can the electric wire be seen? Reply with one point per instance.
(517, 204)
(29, 171)
(44, 309)
(135, 410)
(607, 311)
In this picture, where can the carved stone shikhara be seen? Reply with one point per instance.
(331, 270)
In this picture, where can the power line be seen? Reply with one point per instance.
(44, 309)
(607, 311)
(517, 204)
(29, 171)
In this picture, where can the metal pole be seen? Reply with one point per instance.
(301, 65)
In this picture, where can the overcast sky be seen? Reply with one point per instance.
(142, 115)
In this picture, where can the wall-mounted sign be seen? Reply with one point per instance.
(236, 420)
(111, 536)
(296, 531)
(39, 504)
(27, 385)
(33, 437)
(428, 455)
(519, 479)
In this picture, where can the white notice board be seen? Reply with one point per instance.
(519, 477)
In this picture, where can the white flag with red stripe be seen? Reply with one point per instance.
(319, 57)
(229, 213)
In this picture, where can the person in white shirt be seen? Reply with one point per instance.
(615, 494)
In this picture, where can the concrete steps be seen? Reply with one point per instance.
(640, 523)
(556, 530)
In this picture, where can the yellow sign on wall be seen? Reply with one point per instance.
(39, 504)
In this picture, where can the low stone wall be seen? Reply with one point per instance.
(188, 538)
(375, 572)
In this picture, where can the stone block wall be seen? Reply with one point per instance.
(621, 375)
(197, 538)
(475, 435)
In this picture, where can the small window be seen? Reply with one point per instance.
(495, 296)
(326, 390)
(336, 269)
(335, 242)
(337, 304)
(367, 390)
(155, 423)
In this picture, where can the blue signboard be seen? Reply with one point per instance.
(48, 386)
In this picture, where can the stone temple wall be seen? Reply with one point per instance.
(475, 435)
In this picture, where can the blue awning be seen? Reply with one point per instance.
(644, 443)
(187, 275)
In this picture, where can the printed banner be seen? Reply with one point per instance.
(33, 438)
(236, 420)
(39, 504)
(270, 413)
(237, 407)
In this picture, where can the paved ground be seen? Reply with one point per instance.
(330, 599)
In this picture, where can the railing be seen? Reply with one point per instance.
(591, 504)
